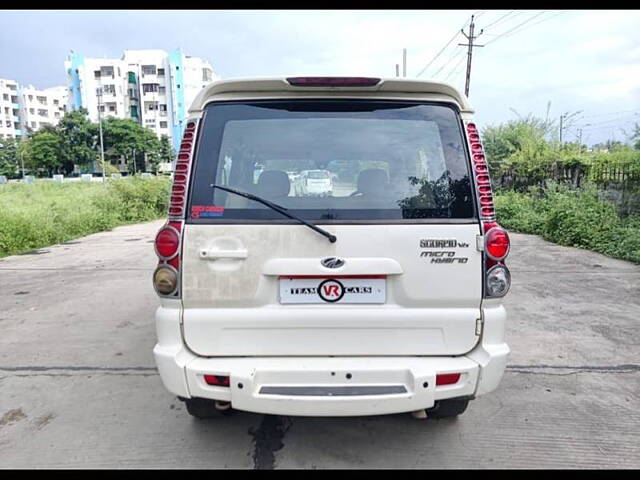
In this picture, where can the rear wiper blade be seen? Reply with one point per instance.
(279, 209)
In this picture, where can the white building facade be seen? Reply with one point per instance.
(152, 87)
(9, 109)
(39, 108)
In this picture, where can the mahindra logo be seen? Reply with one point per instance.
(332, 262)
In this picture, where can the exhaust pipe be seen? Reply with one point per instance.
(419, 414)
(222, 405)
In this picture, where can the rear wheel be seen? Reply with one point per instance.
(204, 408)
(448, 408)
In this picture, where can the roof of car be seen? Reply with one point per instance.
(280, 84)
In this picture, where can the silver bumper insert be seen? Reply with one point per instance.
(334, 391)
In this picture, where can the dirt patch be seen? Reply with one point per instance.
(43, 420)
(12, 416)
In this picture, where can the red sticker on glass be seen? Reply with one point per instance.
(198, 211)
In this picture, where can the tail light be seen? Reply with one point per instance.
(333, 81)
(496, 239)
(496, 243)
(168, 243)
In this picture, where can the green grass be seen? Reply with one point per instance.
(46, 213)
(571, 218)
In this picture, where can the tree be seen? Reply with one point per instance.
(165, 155)
(9, 163)
(126, 138)
(635, 136)
(79, 140)
(42, 152)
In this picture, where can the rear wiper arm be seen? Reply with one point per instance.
(279, 209)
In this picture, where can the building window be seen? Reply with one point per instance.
(7, 123)
(134, 112)
(33, 124)
(101, 108)
(107, 71)
(5, 97)
(109, 89)
(43, 112)
(96, 73)
(57, 114)
(206, 75)
(32, 111)
(30, 97)
(161, 72)
(162, 90)
(56, 102)
(112, 108)
(163, 124)
(42, 100)
(132, 77)
(148, 69)
(150, 87)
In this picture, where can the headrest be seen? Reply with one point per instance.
(273, 183)
(373, 180)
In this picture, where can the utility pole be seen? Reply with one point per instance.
(397, 70)
(99, 95)
(404, 62)
(561, 118)
(469, 46)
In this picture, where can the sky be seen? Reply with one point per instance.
(573, 60)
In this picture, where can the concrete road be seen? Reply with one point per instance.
(78, 386)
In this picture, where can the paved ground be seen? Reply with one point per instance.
(78, 387)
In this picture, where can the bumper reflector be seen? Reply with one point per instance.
(217, 380)
(447, 378)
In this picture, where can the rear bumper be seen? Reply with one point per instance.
(330, 386)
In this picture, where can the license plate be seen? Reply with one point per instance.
(332, 290)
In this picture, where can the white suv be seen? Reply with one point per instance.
(384, 297)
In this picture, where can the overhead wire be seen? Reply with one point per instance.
(498, 20)
(443, 48)
(514, 28)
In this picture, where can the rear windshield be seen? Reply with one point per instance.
(334, 160)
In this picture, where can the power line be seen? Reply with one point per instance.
(454, 68)
(515, 28)
(612, 113)
(626, 118)
(540, 21)
(443, 49)
(499, 20)
(458, 54)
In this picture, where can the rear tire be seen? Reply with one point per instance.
(204, 408)
(448, 408)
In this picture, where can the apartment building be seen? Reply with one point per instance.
(152, 87)
(41, 107)
(9, 109)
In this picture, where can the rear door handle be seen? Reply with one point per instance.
(215, 254)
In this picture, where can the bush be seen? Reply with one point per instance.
(572, 218)
(46, 213)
